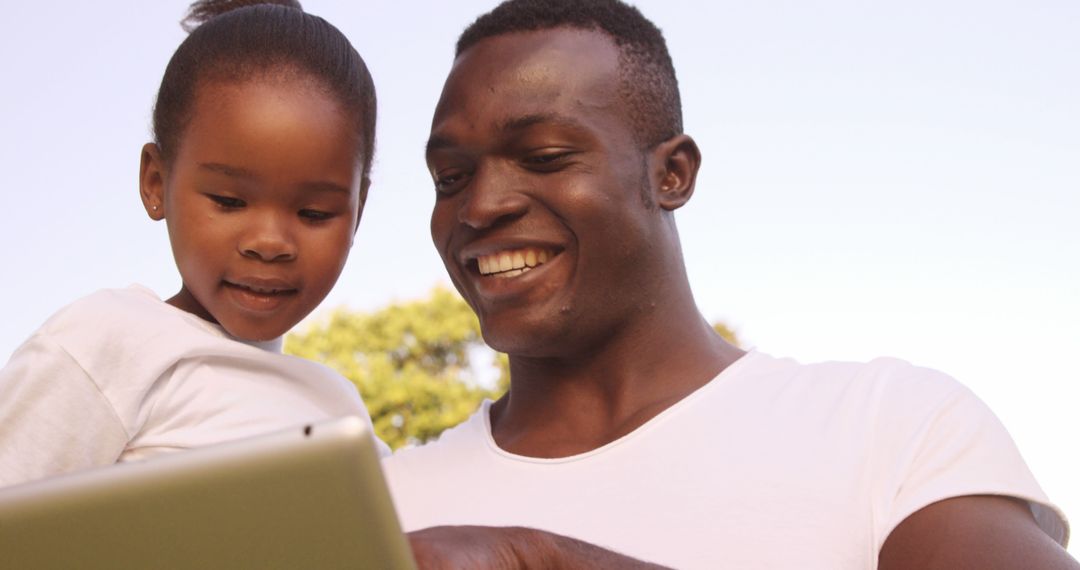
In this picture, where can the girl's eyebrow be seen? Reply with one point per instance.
(227, 170)
(237, 172)
(325, 187)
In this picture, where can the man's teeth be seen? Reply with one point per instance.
(512, 263)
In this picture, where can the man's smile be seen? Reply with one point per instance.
(513, 262)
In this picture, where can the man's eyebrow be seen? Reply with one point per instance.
(526, 121)
(439, 142)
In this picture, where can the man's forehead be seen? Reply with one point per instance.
(529, 54)
(520, 74)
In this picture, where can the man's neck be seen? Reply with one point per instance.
(558, 407)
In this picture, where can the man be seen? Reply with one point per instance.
(630, 427)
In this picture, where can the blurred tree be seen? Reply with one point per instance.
(726, 333)
(420, 366)
(412, 362)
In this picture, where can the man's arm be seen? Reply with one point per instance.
(510, 548)
(978, 532)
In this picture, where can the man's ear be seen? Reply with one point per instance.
(675, 167)
(152, 181)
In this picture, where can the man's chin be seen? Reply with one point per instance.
(526, 338)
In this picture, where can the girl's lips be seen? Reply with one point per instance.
(260, 285)
(259, 297)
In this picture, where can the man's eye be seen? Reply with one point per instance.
(227, 202)
(449, 182)
(315, 215)
(549, 159)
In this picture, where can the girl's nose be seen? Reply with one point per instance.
(269, 240)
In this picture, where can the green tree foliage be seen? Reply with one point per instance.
(413, 363)
(726, 333)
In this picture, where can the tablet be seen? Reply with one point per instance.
(310, 497)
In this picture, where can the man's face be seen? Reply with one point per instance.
(539, 214)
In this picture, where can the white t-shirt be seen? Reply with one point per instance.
(121, 375)
(773, 464)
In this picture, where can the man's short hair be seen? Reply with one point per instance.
(647, 82)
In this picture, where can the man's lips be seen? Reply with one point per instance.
(513, 262)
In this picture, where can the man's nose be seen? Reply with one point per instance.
(268, 238)
(494, 196)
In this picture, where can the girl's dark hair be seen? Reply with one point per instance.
(235, 40)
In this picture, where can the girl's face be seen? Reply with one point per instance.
(262, 200)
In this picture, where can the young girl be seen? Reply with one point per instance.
(264, 130)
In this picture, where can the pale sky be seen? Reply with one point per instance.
(895, 178)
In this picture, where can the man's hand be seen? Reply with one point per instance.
(509, 548)
(454, 547)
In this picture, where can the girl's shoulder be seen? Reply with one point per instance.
(128, 324)
(105, 310)
(128, 337)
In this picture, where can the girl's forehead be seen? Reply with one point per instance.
(249, 121)
(284, 78)
(265, 98)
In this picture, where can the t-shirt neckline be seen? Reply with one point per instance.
(721, 378)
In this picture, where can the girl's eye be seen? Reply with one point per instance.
(315, 215)
(227, 202)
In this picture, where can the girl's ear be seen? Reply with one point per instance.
(365, 183)
(676, 162)
(152, 181)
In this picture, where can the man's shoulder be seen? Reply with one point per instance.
(867, 399)
(873, 378)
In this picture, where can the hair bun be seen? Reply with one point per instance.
(203, 10)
